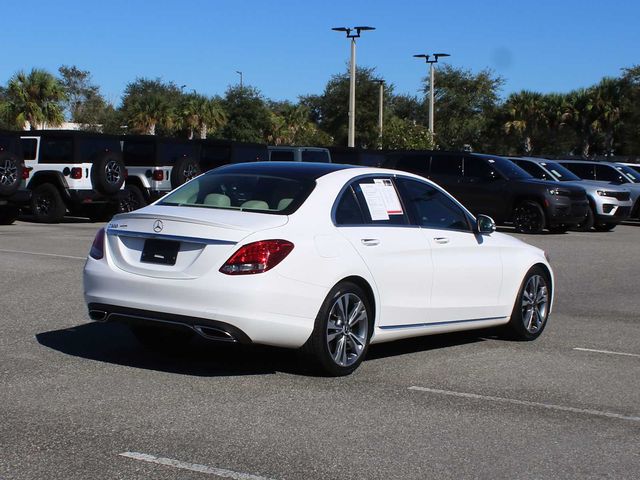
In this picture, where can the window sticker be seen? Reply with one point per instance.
(375, 202)
(389, 196)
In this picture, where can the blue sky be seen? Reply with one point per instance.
(286, 48)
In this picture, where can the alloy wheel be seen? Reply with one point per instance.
(190, 172)
(535, 303)
(113, 172)
(8, 173)
(347, 329)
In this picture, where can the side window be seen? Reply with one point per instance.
(56, 150)
(608, 174)
(29, 148)
(478, 170)
(380, 201)
(413, 164)
(583, 170)
(446, 165)
(431, 208)
(348, 211)
(533, 169)
(281, 156)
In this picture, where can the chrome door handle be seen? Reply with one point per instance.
(441, 240)
(370, 242)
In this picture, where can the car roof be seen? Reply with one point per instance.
(157, 139)
(298, 170)
(67, 133)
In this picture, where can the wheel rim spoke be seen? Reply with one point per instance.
(534, 303)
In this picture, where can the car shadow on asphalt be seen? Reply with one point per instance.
(113, 343)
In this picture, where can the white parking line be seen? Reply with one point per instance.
(3, 250)
(608, 352)
(549, 406)
(194, 467)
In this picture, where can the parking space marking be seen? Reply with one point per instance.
(607, 352)
(548, 406)
(194, 467)
(3, 250)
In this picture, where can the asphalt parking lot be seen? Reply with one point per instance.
(83, 400)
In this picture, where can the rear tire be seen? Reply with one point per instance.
(8, 214)
(108, 173)
(528, 217)
(587, 223)
(11, 168)
(531, 309)
(47, 205)
(160, 339)
(604, 227)
(342, 331)
(184, 170)
(133, 201)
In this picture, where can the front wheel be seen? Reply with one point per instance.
(531, 309)
(604, 226)
(587, 223)
(341, 334)
(528, 217)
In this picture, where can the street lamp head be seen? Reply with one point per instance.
(438, 55)
(362, 29)
(340, 29)
(422, 55)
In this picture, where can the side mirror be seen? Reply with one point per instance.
(485, 224)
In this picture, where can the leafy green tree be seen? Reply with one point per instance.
(609, 97)
(464, 104)
(330, 110)
(291, 125)
(403, 134)
(630, 132)
(149, 105)
(248, 117)
(36, 97)
(582, 116)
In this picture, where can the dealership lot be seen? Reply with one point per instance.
(81, 399)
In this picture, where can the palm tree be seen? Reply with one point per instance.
(608, 99)
(35, 98)
(582, 115)
(527, 113)
(146, 112)
(212, 116)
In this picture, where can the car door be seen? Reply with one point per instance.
(483, 188)
(467, 267)
(394, 251)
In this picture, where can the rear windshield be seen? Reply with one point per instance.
(249, 192)
(561, 173)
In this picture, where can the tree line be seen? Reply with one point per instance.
(603, 119)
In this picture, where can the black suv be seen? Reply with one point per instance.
(12, 174)
(494, 186)
(81, 172)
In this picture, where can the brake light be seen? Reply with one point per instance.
(76, 173)
(97, 247)
(158, 175)
(25, 172)
(257, 257)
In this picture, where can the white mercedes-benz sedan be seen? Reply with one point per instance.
(323, 257)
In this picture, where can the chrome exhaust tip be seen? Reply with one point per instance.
(213, 333)
(98, 315)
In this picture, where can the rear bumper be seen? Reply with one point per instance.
(21, 197)
(89, 197)
(266, 308)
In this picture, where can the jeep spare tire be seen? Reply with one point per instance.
(107, 173)
(184, 170)
(10, 173)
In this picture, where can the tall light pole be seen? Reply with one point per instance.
(432, 79)
(352, 33)
(380, 109)
(240, 73)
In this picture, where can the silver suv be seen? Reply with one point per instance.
(609, 173)
(609, 204)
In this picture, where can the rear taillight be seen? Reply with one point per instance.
(158, 175)
(97, 248)
(257, 257)
(76, 173)
(25, 172)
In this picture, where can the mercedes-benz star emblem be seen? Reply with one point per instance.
(158, 226)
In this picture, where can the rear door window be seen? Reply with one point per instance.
(56, 150)
(380, 201)
(417, 164)
(532, 168)
(348, 210)
(586, 171)
(446, 165)
(478, 170)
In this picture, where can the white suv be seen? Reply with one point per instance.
(156, 165)
(79, 172)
